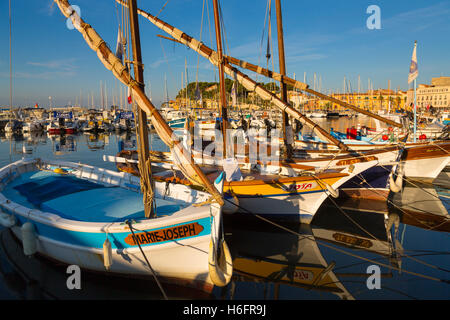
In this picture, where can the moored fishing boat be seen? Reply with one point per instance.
(94, 218)
(61, 126)
(42, 279)
(297, 196)
(98, 219)
(424, 161)
(13, 126)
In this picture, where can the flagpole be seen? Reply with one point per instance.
(413, 73)
(415, 111)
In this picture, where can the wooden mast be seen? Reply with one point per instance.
(283, 87)
(223, 98)
(304, 87)
(185, 161)
(144, 165)
(248, 83)
(183, 38)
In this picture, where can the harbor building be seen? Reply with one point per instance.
(374, 100)
(434, 95)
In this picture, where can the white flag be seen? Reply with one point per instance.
(413, 70)
(233, 94)
(119, 46)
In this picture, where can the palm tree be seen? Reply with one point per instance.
(381, 101)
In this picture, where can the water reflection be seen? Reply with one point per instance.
(423, 205)
(96, 141)
(265, 253)
(36, 278)
(62, 144)
(329, 259)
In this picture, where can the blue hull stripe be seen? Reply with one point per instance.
(96, 239)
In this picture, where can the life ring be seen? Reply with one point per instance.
(220, 266)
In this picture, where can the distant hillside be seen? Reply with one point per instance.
(209, 90)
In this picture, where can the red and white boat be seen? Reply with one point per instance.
(61, 126)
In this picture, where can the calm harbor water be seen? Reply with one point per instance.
(272, 260)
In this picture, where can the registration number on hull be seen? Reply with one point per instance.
(298, 187)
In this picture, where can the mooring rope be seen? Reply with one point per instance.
(146, 260)
(425, 226)
(403, 254)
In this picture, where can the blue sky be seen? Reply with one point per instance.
(329, 38)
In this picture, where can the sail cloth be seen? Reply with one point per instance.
(243, 79)
(113, 63)
(119, 46)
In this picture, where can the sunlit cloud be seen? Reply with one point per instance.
(59, 65)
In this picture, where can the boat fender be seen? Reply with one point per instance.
(107, 254)
(29, 240)
(7, 220)
(397, 184)
(220, 264)
(60, 171)
(333, 192)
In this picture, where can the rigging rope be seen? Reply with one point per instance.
(262, 36)
(162, 8)
(198, 56)
(340, 250)
(10, 78)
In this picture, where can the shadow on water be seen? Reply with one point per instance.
(37, 278)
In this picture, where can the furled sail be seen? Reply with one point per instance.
(205, 51)
(243, 79)
(304, 87)
(111, 62)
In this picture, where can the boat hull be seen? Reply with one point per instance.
(372, 184)
(62, 131)
(426, 162)
(168, 241)
(130, 262)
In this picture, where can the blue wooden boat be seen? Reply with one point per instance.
(94, 218)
